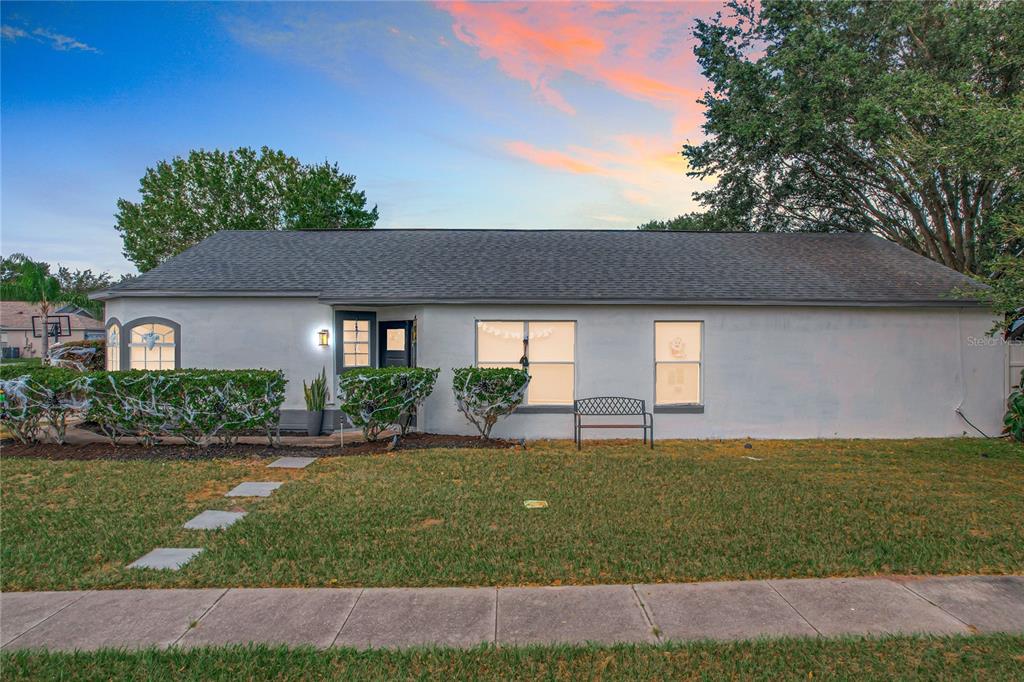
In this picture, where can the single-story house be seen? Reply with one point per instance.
(723, 334)
(21, 327)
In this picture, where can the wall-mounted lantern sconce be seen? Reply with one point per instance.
(325, 337)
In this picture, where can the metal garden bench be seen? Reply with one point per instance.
(610, 406)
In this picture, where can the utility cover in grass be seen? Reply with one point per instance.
(253, 489)
(213, 520)
(167, 558)
(292, 463)
(535, 504)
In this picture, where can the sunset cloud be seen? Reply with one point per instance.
(552, 159)
(647, 170)
(640, 50)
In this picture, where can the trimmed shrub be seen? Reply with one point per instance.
(83, 356)
(1013, 421)
(486, 394)
(31, 395)
(195, 404)
(377, 398)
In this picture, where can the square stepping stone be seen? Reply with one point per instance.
(253, 489)
(167, 558)
(213, 520)
(292, 462)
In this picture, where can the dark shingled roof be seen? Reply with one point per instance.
(396, 266)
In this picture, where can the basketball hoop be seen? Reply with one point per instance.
(57, 326)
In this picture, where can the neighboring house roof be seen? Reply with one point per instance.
(17, 315)
(72, 308)
(388, 266)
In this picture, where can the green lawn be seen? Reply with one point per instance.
(992, 657)
(618, 513)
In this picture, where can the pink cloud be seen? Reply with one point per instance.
(553, 159)
(641, 50)
(647, 169)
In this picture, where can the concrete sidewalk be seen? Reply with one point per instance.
(462, 617)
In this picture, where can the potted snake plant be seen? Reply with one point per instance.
(316, 397)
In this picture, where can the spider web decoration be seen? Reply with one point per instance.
(197, 406)
(77, 358)
(27, 402)
(193, 405)
(485, 395)
(377, 398)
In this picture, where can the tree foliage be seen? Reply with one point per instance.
(74, 285)
(902, 118)
(1004, 273)
(27, 280)
(185, 200)
(486, 394)
(694, 222)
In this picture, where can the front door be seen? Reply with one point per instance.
(395, 344)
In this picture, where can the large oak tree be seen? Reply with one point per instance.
(901, 118)
(185, 200)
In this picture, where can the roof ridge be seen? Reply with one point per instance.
(540, 230)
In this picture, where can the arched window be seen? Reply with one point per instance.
(152, 344)
(113, 345)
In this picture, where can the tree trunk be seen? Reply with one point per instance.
(44, 312)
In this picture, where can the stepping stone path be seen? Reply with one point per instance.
(173, 558)
(292, 463)
(253, 489)
(213, 520)
(167, 558)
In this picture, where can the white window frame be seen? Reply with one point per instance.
(699, 362)
(526, 331)
(126, 340)
(113, 352)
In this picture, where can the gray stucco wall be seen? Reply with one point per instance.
(769, 372)
(781, 372)
(244, 333)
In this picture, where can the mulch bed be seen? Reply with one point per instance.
(88, 451)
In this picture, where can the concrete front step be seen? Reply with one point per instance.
(403, 617)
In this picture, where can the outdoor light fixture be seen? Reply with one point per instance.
(325, 337)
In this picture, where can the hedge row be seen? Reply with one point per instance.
(201, 405)
(197, 405)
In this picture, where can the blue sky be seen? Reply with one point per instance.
(450, 115)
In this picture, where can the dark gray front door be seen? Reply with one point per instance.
(395, 344)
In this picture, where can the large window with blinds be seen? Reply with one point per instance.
(547, 348)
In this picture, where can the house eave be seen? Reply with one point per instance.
(363, 301)
(927, 303)
(110, 294)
